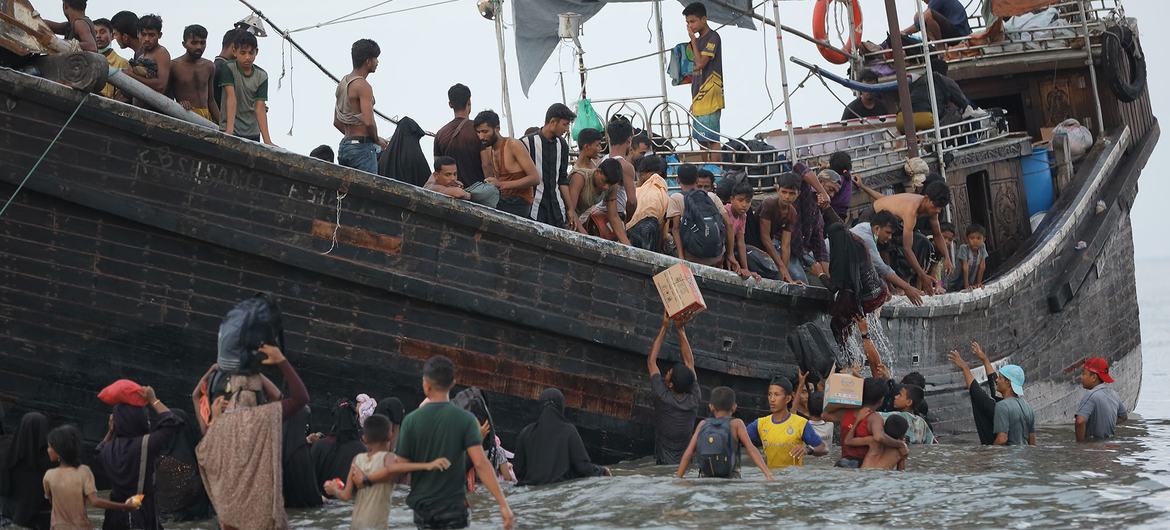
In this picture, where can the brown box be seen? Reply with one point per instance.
(843, 389)
(680, 294)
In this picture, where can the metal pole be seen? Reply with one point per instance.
(784, 84)
(499, 19)
(938, 147)
(1092, 70)
(789, 29)
(903, 83)
(662, 70)
(855, 62)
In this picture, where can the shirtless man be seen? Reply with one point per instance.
(506, 165)
(76, 25)
(909, 207)
(881, 456)
(152, 64)
(193, 77)
(353, 114)
(125, 25)
(621, 140)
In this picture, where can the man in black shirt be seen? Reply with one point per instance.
(676, 397)
(457, 139)
(867, 104)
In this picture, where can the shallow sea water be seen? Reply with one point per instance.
(1121, 484)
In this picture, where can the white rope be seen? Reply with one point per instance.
(337, 221)
(375, 15)
(292, 96)
(343, 17)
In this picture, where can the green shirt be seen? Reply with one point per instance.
(1015, 417)
(249, 89)
(438, 430)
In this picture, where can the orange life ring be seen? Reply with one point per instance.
(821, 30)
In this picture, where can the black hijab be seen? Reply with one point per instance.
(24, 468)
(300, 479)
(333, 454)
(846, 260)
(403, 158)
(120, 458)
(181, 496)
(550, 450)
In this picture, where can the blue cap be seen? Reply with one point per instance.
(1015, 374)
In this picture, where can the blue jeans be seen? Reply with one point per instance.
(797, 264)
(360, 156)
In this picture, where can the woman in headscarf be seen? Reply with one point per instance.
(133, 431)
(23, 469)
(181, 496)
(300, 479)
(858, 289)
(333, 454)
(551, 450)
(365, 407)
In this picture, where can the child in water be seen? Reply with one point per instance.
(371, 507)
(907, 404)
(722, 407)
(881, 456)
(70, 485)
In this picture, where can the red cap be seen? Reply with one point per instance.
(1099, 366)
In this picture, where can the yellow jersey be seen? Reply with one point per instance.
(779, 439)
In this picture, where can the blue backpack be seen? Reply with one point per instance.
(701, 227)
(717, 456)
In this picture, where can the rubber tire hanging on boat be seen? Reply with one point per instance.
(820, 28)
(1117, 40)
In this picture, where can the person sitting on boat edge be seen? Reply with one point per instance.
(245, 92)
(605, 219)
(445, 179)
(945, 19)
(867, 104)
(550, 155)
(699, 225)
(717, 441)
(982, 401)
(1101, 409)
(77, 26)
(550, 449)
(707, 101)
(737, 210)
(457, 139)
(621, 138)
(647, 228)
(506, 165)
(676, 396)
(193, 77)
(581, 195)
(909, 207)
(777, 219)
(786, 438)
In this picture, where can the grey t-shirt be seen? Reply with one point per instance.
(674, 420)
(865, 232)
(1015, 417)
(1101, 407)
(249, 89)
(973, 259)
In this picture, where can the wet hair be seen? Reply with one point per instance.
(868, 76)
(884, 218)
(611, 169)
(688, 174)
(782, 382)
(105, 23)
(441, 161)
(697, 9)
(149, 22)
(588, 136)
(975, 228)
(194, 30)
(245, 40)
(376, 429)
(873, 391)
(705, 174)
(896, 427)
(458, 96)
(322, 152)
(652, 164)
(841, 162)
(938, 192)
(916, 394)
(558, 111)
(66, 442)
(488, 117)
(743, 188)
(640, 139)
(947, 227)
(619, 130)
(914, 378)
(232, 37)
(682, 378)
(788, 181)
(816, 403)
(364, 50)
(125, 22)
(76, 4)
(440, 371)
(722, 399)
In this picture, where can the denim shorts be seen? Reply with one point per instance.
(362, 156)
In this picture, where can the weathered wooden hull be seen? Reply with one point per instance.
(138, 232)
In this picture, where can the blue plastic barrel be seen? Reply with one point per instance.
(1037, 180)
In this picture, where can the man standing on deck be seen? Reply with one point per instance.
(151, 66)
(193, 77)
(227, 53)
(457, 139)
(104, 33)
(550, 155)
(621, 139)
(1101, 409)
(945, 19)
(353, 114)
(706, 80)
(506, 165)
(125, 25)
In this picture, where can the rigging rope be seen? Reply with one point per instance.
(375, 15)
(777, 107)
(43, 155)
(343, 17)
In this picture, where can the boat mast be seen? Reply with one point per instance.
(903, 82)
(930, 86)
(666, 121)
(1092, 69)
(784, 83)
(499, 20)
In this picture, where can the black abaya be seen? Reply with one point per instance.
(551, 449)
(181, 496)
(120, 458)
(333, 454)
(300, 479)
(24, 468)
(403, 159)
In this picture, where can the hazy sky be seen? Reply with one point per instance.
(425, 51)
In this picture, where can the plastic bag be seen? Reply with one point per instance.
(122, 392)
(250, 324)
(587, 118)
(1080, 138)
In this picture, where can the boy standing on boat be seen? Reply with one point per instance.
(193, 77)
(353, 115)
(506, 165)
(245, 92)
(707, 79)
(550, 155)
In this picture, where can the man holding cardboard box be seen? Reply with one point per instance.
(676, 396)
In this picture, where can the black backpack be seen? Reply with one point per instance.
(717, 456)
(250, 324)
(701, 228)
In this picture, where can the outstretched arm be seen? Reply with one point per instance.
(684, 345)
(652, 359)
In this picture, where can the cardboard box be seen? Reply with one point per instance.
(843, 389)
(680, 294)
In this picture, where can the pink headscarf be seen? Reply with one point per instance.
(365, 406)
